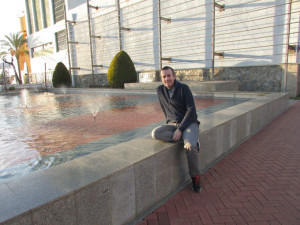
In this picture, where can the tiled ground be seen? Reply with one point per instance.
(257, 184)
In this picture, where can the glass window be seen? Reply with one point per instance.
(58, 7)
(61, 41)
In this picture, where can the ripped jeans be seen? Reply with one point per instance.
(189, 138)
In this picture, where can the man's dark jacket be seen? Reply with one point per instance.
(180, 107)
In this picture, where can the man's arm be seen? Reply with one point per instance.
(177, 135)
(160, 96)
(190, 109)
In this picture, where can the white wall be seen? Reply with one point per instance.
(250, 33)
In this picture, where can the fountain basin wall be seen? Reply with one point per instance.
(119, 185)
(203, 86)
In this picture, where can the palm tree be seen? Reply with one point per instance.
(16, 44)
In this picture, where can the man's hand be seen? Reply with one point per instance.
(177, 135)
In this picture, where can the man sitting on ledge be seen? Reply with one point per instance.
(177, 103)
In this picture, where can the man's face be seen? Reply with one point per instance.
(167, 78)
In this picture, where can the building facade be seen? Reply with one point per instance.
(254, 42)
(46, 37)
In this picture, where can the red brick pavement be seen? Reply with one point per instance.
(257, 184)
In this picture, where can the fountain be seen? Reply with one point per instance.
(56, 127)
(94, 108)
(94, 162)
(24, 94)
(36, 90)
(63, 90)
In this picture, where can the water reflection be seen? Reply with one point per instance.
(55, 128)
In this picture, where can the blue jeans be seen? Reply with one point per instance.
(190, 137)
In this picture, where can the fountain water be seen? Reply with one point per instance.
(36, 90)
(94, 108)
(25, 97)
(63, 89)
(56, 127)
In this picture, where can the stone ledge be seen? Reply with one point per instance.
(108, 187)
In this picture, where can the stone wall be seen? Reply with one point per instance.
(263, 78)
(258, 78)
(255, 78)
(193, 75)
(293, 82)
(86, 81)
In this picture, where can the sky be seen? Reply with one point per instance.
(9, 16)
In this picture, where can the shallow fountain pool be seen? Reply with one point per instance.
(42, 129)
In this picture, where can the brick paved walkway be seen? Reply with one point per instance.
(258, 183)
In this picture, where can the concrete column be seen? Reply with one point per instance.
(51, 10)
(43, 12)
(28, 18)
(35, 22)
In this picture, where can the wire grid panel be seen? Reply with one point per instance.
(187, 37)
(141, 41)
(80, 53)
(247, 32)
(250, 33)
(106, 47)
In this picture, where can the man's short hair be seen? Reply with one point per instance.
(168, 67)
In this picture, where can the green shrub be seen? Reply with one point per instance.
(12, 88)
(61, 76)
(121, 70)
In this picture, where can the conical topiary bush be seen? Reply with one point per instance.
(61, 76)
(121, 70)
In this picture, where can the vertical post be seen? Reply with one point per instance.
(43, 12)
(28, 74)
(5, 87)
(213, 41)
(67, 39)
(90, 39)
(159, 35)
(34, 14)
(287, 46)
(46, 76)
(119, 23)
